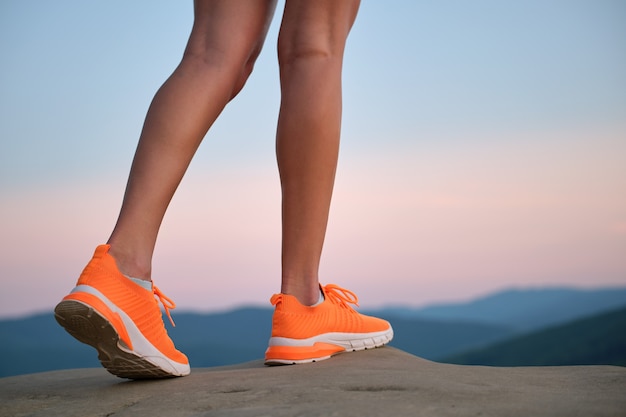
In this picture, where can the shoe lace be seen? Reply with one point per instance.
(340, 296)
(167, 302)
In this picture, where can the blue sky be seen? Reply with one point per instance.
(484, 146)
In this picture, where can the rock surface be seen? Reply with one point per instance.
(381, 382)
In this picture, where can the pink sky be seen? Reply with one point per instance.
(414, 228)
(477, 155)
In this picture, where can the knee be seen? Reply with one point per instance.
(244, 73)
(221, 66)
(315, 32)
(307, 50)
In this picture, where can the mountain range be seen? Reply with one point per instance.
(508, 328)
(522, 310)
(595, 340)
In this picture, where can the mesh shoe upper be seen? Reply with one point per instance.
(294, 320)
(138, 303)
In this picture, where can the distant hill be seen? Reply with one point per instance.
(433, 339)
(596, 340)
(523, 309)
(38, 343)
(226, 338)
(34, 344)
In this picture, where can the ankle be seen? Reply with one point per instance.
(306, 296)
(130, 265)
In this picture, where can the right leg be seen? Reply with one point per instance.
(116, 315)
(310, 54)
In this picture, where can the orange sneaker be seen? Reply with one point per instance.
(122, 320)
(302, 334)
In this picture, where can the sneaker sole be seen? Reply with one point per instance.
(86, 325)
(285, 351)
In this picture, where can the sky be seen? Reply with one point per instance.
(483, 148)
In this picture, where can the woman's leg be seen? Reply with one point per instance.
(310, 47)
(118, 316)
(310, 53)
(226, 38)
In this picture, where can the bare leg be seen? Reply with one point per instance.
(226, 38)
(310, 52)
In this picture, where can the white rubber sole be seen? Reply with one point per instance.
(344, 342)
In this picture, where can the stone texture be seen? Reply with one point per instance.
(381, 382)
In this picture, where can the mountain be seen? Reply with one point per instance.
(433, 339)
(226, 338)
(524, 310)
(35, 344)
(38, 343)
(595, 340)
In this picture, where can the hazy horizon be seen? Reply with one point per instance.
(374, 307)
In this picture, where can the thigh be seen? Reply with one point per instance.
(229, 29)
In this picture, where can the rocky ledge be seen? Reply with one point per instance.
(380, 382)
